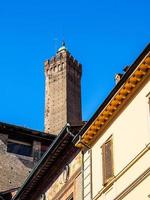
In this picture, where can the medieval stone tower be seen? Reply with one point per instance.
(63, 91)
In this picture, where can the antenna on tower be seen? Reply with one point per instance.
(55, 44)
(63, 43)
(63, 37)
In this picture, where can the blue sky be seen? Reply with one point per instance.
(104, 36)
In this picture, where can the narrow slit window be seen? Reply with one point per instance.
(19, 148)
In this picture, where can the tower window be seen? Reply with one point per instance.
(54, 69)
(36, 151)
(63, 65)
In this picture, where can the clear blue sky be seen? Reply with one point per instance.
(104, 36)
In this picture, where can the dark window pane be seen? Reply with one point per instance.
(36, 151)
(20, 149)
(44, 148)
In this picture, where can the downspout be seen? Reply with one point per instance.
(68, 131)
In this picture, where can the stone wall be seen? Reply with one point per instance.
(3, 144)
(63, 92)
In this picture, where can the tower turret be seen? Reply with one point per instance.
(63, 91)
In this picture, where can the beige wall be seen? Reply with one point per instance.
(131, 134)
(61, 188)
(87, 182)
(140, 192)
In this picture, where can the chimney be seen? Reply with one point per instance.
(126, 68)
(118, 77)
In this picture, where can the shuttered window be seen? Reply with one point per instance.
(107, 159)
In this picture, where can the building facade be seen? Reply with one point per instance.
(63, 91)
(116, 140)
(63, 117)
(63, 105)
(106, 159)
(69, 184)
(20, 149)
(57, 175)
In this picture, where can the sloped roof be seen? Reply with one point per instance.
(24, 132)
(50, 166)
(13, 168)
(12, 172)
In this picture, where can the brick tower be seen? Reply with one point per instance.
(63, 91)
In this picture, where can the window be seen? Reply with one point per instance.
(70, 197)
(107, 159)
(36, 151)
(19, 148)
(43, 149)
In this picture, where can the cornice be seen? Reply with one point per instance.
(141, 72)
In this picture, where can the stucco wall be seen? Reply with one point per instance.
(140, 192)
(131, 134)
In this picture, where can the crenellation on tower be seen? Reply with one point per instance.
(63, 91)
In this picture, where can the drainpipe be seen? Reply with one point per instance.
(85, 145)
(68, 131)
